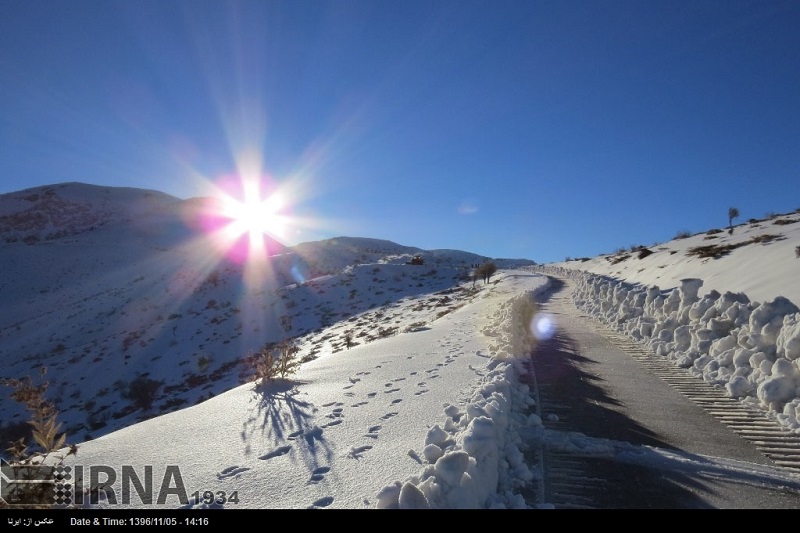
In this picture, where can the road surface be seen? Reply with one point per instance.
(590, 384)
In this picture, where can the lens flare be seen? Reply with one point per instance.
(299, 270)
(543, 326)
(247, 219)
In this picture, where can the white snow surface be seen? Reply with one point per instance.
(730, 315)
(427, 418)
(426, 409)
(762, 260)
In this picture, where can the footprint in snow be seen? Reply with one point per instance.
(331, 424)
(391, 391)
(359, 404)
(319, 473)
(311, 434)
(398, 400)
(357, 452)
(277, 452)
(387, 416)
(423, 391)
(372, 394)
(322, 502)
(231, 471)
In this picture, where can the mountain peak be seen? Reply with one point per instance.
(63, 209)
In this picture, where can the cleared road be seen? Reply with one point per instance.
(588, 384)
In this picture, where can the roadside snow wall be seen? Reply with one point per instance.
(751, 349)
(475, 458)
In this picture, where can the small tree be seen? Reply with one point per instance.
(287, 363)
(348, 339)
(488, 269)
(732, 213)
(274, 361)
(36, 462)
(484, 272)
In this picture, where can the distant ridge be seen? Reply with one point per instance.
(55, 211)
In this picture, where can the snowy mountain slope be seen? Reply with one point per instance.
(142, 299)
(52, 212)
(759, 259)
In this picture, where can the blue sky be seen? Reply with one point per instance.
(535, 129)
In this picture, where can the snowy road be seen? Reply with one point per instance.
(587, 384)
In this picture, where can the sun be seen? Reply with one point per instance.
(247, 219)
(255, 216)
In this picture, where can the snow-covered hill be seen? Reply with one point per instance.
(52, 212)
(109, 288)
(760, 259)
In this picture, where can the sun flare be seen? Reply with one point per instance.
(255, 216)
(247, 219)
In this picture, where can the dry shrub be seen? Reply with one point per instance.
(39, 457)
(274, 361)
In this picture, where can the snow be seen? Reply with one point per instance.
(760, 267)
(432, 412)
(724, 335)
(420, 419)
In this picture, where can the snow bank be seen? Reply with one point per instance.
(751, 349)
(475, 459)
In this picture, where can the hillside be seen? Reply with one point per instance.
(760, 259)
(116, 291)
(57, 211)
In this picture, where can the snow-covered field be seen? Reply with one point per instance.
(429, 417)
